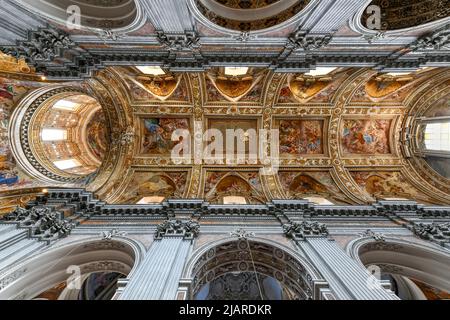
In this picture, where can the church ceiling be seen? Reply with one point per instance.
(337, 145)
(405, 14)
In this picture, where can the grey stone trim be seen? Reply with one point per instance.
(157, 276)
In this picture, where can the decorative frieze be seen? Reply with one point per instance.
(435, 41)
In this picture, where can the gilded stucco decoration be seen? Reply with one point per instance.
(14, 65)
(338, 146)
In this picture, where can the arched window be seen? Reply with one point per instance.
(437, 136)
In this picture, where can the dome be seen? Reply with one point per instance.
(250, 15)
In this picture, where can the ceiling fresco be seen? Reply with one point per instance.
(98, 138)
(143, 88)
(145, 184)
(366, 136)
(11, 175)
(241, 184)
(386, 184)
(388, 88)
(332, 146)
(247, 89)
(301, 89)
(157, 134)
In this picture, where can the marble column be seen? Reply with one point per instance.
(158, 276)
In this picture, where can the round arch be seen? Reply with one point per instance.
(270, 258)
(53, 266)
(429, 265)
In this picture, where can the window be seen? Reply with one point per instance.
(65, 105)
(67, 164)
(54, 135)
(437, 136)
(151, 200)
